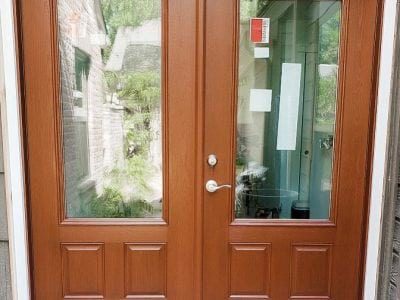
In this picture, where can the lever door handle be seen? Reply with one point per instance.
(212, 186)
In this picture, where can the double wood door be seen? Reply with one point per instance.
(188, 149)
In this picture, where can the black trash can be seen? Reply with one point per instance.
(300, 210)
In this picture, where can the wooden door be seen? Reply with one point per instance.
(123, 110)
(110, 118)
(289, 104)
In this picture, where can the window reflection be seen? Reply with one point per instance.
(287, 92)
(110, 56)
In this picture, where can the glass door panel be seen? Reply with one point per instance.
(286, 108)
(111, 81)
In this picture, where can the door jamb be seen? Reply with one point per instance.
(14, 156)
(380, 176)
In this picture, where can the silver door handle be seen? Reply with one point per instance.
(212, 186)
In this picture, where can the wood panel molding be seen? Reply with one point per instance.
(83, 271)
(250, 271)
(310, 274)
(145, 271)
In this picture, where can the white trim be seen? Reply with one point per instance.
(13, 162)
(380, 149)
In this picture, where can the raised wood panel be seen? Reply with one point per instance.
(145, 271)
(248, 297)
(83, 271)
(311, 271)
(250, 271)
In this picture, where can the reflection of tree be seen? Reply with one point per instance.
(252, 8)
(329, 40)
(326, 100)
(138, 91)
(119, 13)
(327, 85)
(248, 9)
(140, 96)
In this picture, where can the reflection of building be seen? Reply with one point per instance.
(138, 50)
(93, 128)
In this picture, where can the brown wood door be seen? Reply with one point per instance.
(110, 118)
(289, 100)
(124, 102)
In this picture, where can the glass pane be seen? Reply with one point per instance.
(287, 94)
(110, 52)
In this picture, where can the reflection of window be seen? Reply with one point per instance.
(82, 67)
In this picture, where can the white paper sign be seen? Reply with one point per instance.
(260, 100)
(261, 52)
(289, 106)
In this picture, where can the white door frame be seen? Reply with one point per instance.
(13, 162)
(380, 148)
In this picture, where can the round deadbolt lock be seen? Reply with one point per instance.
(212, 160)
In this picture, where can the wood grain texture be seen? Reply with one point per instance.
(145, 270)
(250, 270)
(344, 230)
(311, 271)
(83, 271)
(200, 88)
(41, 86)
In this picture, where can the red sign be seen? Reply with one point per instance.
(259, 30)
